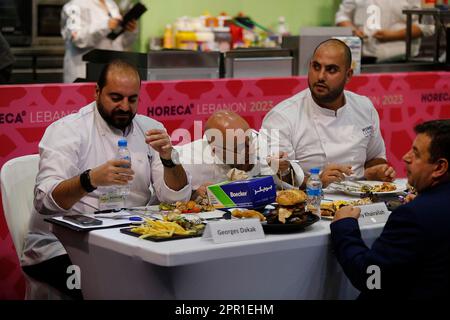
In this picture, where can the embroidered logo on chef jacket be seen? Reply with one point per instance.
(367, 131)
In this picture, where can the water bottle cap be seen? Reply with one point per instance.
(314, 170)
(122, 143)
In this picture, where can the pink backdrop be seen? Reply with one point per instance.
(402, 100)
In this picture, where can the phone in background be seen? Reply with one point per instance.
(82, 220)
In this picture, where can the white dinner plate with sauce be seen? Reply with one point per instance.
(400, 187)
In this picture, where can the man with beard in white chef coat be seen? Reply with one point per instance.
(328, 127)
(79, 171)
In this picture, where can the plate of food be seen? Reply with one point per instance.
(289, 213)
(173, 227)
(200, 209)
(187, 207)
(329, 208)
(362, 187)
(241, 213)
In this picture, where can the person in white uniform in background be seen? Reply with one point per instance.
(78, 170)
(229, 150)
(85, 25)
(382, 26)
(327, 127)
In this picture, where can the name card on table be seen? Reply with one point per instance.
(373, 213)
(234, 230)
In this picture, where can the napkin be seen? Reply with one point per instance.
(236, 174)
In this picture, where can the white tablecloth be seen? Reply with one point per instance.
(285, 266)
(288, 266)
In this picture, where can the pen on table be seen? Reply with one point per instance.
(121, 209)
(133, 218)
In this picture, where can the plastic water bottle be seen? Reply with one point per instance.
(314, 191)
(123, 154)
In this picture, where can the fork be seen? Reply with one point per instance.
(353, 184)
(341, 186)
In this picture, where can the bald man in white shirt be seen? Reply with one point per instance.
(325, 126)
(229, 143)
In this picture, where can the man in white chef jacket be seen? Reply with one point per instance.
(382, 26)
(85, 25)
(328, 127)
(230, 150)
(79, 171)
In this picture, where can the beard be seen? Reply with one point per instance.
(330, 96)
(117, 118)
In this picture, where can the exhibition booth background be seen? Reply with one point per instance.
(401, 99)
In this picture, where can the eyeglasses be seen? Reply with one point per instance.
(249, 145)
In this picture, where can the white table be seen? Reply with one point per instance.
(289, 266)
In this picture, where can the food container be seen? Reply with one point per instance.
(251, 193)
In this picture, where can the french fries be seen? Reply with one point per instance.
(163, 229)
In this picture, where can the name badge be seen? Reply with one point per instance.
(234, 230)
(373, 213)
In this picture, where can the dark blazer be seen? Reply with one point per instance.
(412, 252)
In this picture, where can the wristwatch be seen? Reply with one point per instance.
(85, 181)
(173, 161)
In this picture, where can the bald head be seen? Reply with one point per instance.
(336, 45)
(229, 135)
(225, 119)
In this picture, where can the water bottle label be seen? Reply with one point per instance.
(110, 199)
(313, 192)
(128, 158)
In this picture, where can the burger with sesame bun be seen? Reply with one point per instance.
(290, 208)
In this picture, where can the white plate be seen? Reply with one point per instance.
(401, 187)
(216, 214)
(203, 214)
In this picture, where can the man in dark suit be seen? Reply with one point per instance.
(412, 254)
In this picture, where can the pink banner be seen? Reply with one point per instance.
(402, 100)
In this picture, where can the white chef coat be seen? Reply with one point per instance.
(90, 22)
(82, 141)
(203, 165)
(318, 136)
(391, 18)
